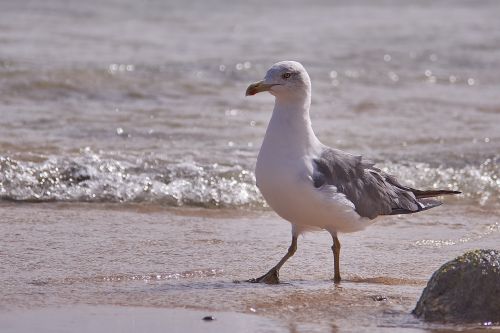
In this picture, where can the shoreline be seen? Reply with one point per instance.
(64, 255)
(83, 318)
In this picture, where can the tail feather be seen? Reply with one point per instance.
(432, 193)
(423, 204)
(422, 201)
(428, 204)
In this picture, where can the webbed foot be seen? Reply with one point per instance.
(271, 277)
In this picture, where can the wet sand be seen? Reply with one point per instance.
(80, 319)
(58, 257)
(84, 318)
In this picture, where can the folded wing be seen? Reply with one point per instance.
(372, 191)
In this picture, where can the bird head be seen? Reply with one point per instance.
(283, 79)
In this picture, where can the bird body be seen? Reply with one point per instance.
(314, 186)
(285, 172)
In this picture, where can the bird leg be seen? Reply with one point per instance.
(272, 277)
(336, 257)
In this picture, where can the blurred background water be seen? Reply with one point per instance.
(143, 101)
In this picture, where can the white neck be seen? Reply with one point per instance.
(290, 131)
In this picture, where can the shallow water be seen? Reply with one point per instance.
(136, 255)
(127, 151)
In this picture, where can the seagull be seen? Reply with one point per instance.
(316, 187)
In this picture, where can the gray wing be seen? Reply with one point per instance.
(372, 191)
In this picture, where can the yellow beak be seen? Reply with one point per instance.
(258, 87)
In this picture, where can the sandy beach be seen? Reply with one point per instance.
(97, 263)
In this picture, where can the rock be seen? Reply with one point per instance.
(464, 290)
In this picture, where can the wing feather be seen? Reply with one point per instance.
(372, 191)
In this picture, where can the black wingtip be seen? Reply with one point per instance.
(419, 194)
(446, 192)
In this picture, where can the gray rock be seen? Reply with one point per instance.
(464, 290)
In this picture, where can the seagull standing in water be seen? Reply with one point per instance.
(314, 186)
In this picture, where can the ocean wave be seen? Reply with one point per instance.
(91, 177)
(479, 182)
(99, 177)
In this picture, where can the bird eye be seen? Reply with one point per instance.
(286, 75)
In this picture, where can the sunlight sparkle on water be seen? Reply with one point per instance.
(393, 76)
(114, 68)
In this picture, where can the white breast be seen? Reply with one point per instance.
(279, 181)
